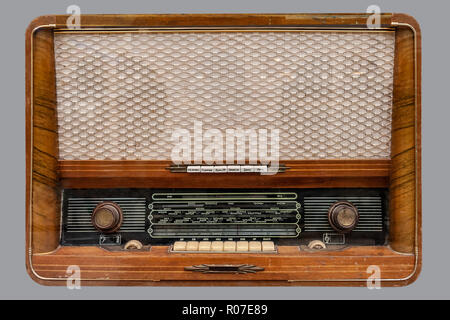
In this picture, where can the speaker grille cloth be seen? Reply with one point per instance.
(121, 95)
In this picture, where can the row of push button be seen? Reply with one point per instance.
(227, 168)
(224, 246)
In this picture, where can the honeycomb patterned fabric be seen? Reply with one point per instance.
(120, 96)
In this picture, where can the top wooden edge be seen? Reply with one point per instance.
(402, 18)
(39, 22)
(220, 20)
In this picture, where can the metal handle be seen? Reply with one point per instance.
(224, 268)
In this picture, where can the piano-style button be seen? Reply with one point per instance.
(267, 246)
(179, 246)
(204, 246)
(217, 246)
(254, 246)
(229, 246)
(242, 246)
(192, 246)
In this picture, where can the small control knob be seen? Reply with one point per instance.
(133, 245)
(343, 216)
(316, 245)
(107, 217)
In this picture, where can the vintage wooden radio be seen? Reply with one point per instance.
(128, 119)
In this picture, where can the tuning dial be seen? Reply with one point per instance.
(343, 216)
(107, 217)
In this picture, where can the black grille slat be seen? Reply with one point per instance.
(370, 210)
(79, 212)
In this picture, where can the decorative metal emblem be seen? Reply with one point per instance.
(225, 268)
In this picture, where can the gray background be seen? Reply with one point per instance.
(433, 17)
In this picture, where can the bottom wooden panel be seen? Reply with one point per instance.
(290, 266)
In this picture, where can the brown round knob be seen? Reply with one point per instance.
(343, 216)
(107, 217)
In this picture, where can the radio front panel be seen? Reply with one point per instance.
(288, 217)
(237, 149)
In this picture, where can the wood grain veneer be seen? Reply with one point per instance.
(289, 266)
(405, 149)
(303, 174)
(45, 199)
